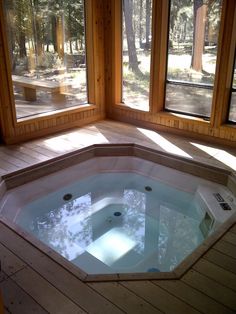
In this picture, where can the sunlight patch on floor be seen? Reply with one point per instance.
(73, 140)
(164, 143)
(207, 149)
(218, 154)
(227, 159)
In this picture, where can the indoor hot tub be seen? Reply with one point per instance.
(116, 212)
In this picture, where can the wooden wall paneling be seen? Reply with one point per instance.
(225, 62)
(113, 53)
(107, 53)
(104, 54)
(7, 111)
(98, 48)
(159, 54)
(89, 14)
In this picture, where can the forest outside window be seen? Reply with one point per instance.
(232, 108)
(192, 52)
(137, 39)
(47, 49)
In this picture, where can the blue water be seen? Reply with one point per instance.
(114, 223)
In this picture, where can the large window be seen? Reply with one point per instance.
(137, 38)
(232, 108)
(47, 51)
(192, 51)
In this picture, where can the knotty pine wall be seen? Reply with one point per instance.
(104, 59)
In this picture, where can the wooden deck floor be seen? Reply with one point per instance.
(31, 282)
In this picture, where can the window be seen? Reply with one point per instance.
(232, 108)
(46, 42)
(137, 38)
(192, 51)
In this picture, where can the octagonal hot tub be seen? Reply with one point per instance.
(113, 212)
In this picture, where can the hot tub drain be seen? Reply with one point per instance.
(67, 197)
(117, 214)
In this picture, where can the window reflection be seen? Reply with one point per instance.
(118, 225)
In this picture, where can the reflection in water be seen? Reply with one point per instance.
(154, 230)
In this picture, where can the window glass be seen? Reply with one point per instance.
(47, 52)
(232, 108)
(192, 51)
(137, 38)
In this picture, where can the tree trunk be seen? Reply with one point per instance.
(140, 22)
(148, 20)
(71, 48)
(54, 32)
(11, 33)
(60, 36)
(200, 13)
(37, 29)
(76, 45)
(22, 45)
(133, 60)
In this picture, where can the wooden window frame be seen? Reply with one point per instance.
(218, 127)
(15, 130)
(157, 65)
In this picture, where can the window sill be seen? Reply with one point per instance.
(56, 113)
(183, 117)
(228, 126)
(125, 106)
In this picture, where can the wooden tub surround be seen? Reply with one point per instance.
(208, 286)
(127, 151)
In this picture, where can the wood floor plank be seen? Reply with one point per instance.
(230, 237)
(217, 273)
(221, 260)
(10, 263)
(16, 300)
(51, 299)
(159, 298)
(122, 297)
(8, 167)
(28, 151)
(20, 153)
(226, 248)
(41, 149)
(233, 229)
(68, 284)
(13, 160)
(193, 297)
(213, 289)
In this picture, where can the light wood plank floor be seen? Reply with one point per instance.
(31, 282)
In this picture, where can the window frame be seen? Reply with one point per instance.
(233, 90)
(15, 130)
(158, 117)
